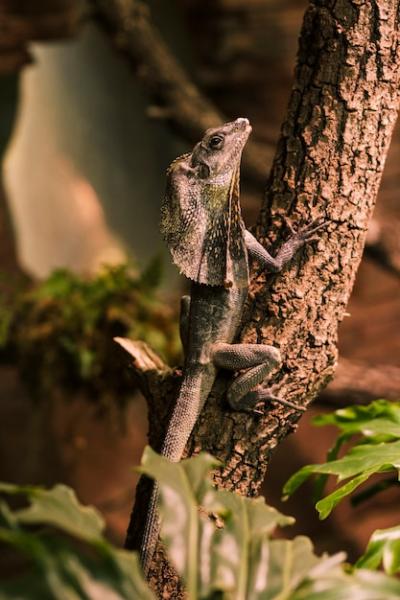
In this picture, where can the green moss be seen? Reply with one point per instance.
(60, 332)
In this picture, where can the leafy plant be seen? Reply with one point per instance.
(374, 432)
(65, 552)
(240, 560)
(66, 555)
(61, 331)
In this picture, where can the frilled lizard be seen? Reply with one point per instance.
(202, 225)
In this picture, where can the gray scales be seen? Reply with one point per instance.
(202, 225)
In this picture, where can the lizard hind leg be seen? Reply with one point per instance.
(259, 360)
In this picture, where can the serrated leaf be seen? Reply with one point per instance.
(378, 417)
(97, 571)
(357, 465)
(58, 507)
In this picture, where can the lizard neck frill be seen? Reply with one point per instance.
(204, 230)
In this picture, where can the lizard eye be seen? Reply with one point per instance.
(216, 142)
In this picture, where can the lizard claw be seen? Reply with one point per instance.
(287, 403)
(255, 401)
(307, 234)
(267, 396)
(289, 225)
(314, 227)
(308, 230)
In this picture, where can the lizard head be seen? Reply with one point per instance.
(220, 150)
(201, 219)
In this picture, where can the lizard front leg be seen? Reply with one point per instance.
(259, 360)
(287, 250)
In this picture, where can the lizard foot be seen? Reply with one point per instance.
(305, 234)
(260, 396)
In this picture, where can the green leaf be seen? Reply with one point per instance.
(358, 464)
(240, 546)
(183, 486)
(239, 560)
(209, 559)
(332, 454)
(282, 566)
(327, 504)
(236, 561)
(379, 421)
(376, 449)
(378, 417)
(362, 585)
(297, 479)
(58, 569)
(366, 457)
(58, 507)
(383, 547)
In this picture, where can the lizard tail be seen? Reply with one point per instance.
(192, 396)
(151, 531)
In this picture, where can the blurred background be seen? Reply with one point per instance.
(96, 99)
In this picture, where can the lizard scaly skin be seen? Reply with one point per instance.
(202, 226)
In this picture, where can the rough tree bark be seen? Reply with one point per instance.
(189, 111)
(328, 165)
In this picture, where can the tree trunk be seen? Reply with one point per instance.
(328, 166)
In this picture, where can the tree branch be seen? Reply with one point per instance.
(383, 244)
(21, 23)
(359, 383)
(328, 165)
(177, 98)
